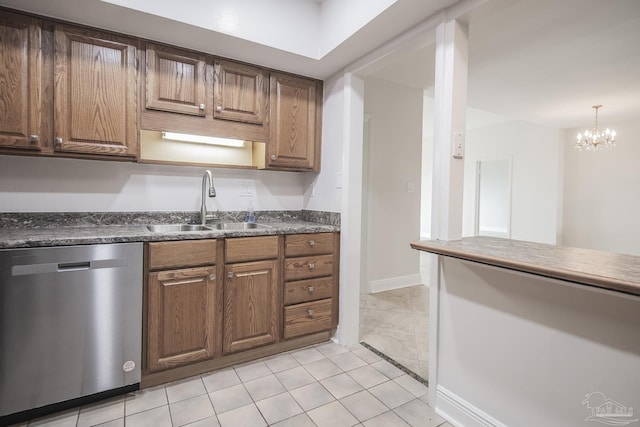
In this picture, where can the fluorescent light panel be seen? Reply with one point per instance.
(185, 137)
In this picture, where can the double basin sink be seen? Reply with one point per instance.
(182, 228)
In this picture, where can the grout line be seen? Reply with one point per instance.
(396, 364)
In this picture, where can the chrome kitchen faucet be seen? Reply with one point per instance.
(211, 190)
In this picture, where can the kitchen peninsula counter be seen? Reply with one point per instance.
(522, 333)
(606, 270)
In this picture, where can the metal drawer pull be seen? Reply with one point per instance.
(230, 274)
(212, 277)
(202, 107)
(33, 138)
(311, 288)
(58, 140)
(312, 242)
(310, 312)
(219, 108)
(312, 266)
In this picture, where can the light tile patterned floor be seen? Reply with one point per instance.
(396, 323)
(322, 385)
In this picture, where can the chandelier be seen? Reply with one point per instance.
(593, 139)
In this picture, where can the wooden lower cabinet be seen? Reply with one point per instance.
(181, 307)
(251, 305)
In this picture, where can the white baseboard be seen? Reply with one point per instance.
(459, 412)
(394, 283)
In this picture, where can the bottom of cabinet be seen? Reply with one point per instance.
(302, 319)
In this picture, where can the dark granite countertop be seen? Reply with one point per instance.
(606, 270)
(39, 230)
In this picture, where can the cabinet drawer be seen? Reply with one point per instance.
(251, 248)
(308, 244)
(182, 253)
(308, 290)
(302, 319)
(307, 267)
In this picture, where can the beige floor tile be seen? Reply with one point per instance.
(387, 369)
(312, 396)
(245, 416)
(392, 394)
(366, 355)
(101, 412)
(156, 417)
(322, 369)
(278, 408)
(388, 419)
(363, 405)
(114, 423)
(386, 321)
(252, 371)
(418, 414)
(341, 385)
(191, 410)
(185, 389)
(219, 380)
(264, 387)
(230, 398)
(281, 363)
(412, 364)
(368, 376)
(331, 349)
(301, 420)
(412, 386)
(396, 300)
(347, 361)
(294, 378)
(307, 356)
(332, 415)
(143, 400)
(206, 422)
(394, 345)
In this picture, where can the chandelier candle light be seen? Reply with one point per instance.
(593, 139)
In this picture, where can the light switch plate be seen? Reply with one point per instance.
(458, 144)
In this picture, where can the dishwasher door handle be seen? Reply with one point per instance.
(74, 266)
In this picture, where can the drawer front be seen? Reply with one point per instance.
(182, 253)
(308, 267)
(308, 290)
(308, 244)
(251, 248)
(307, 318)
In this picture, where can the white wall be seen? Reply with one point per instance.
(395, 162)
(322, 191)
(601, 195)
(32, 184)
(536, 153)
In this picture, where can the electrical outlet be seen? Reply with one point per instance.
(247, 189)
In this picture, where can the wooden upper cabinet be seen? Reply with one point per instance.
(240, 92)
(294, 137)
(20, 82)
(95, 103)
(175, 80)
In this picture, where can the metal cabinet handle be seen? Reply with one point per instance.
(312, 266)
(33, 138)
(212, 277)
(311, 289)
(219, 108)
(273, 157)
(310, 313)
(230, 274)
(312, 242)
(202, 107)
(58, 140)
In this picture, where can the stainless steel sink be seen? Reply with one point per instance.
(238, 226)
(181, 228)
(176, 228)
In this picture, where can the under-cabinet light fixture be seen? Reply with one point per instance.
(185, 137)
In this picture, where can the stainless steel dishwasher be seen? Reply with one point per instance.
(70, 325)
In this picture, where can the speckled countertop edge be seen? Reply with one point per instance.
(13, 238)
(605, 270)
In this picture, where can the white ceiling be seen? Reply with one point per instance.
(312, 38)
(543, 61)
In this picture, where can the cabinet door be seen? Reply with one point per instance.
(95, 93)
(240, 92)
(292, 136)
(181, 317)
(20, 82)
(175, 81)
(250, 305)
